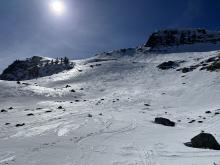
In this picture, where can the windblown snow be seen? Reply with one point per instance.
(101, 112)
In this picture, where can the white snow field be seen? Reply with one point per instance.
(105, 121)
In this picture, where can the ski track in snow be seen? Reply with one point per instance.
(120, 130)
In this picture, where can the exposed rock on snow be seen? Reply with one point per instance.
(204, 140)
(164, 121)
(168, 65)
(33, 68)
(175, 37)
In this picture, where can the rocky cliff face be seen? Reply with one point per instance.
(176, 37)
(33, 68)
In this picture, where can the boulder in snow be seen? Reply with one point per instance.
(204, 140)
(164, 121)
(168, 65)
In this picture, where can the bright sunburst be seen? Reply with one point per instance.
(57, 6)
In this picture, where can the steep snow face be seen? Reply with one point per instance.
(102, 112)
(177, 37)
(34, 67)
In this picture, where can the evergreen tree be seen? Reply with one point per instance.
(66, 61)
(57, 61)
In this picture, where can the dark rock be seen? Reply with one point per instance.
(89, 115)
(7, 123)
(192, 121)
(213, 67)
(49, 111)
(147, 105)
(164, 121)
(60, 107)
(185, 70)
(73, 90)
(10, 108)
(207, 112)
(200, 121)
(3, 110)
(18, 82)
(217, 113)
(204, 140)
(19, 125)
(168, 65)
(30, 114)
(68, 86)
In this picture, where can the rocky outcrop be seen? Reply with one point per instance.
(168, 65)
(34, 67)
(176, 37)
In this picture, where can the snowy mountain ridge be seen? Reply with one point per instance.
(103, 111)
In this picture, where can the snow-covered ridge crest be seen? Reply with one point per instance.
(35, 67)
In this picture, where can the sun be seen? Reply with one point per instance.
(57, 7)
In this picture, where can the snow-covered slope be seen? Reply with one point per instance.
(101, 112)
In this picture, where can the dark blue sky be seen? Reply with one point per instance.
(28, 27)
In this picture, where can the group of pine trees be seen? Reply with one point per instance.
(64, 61)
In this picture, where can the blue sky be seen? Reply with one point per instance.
(28, 27)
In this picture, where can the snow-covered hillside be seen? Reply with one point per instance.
(102, 111)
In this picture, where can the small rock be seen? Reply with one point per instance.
(3, 110)
(200, 121)
(10, 108)
(89, 115)
(147, 105)
(72, 90)
(192, 121)
(7, 123)
(60, 107)
(49, 111)
(164, 121)
(207, 112)
(217, 113)
(68, 86)
(30, 114)
(19, 125)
